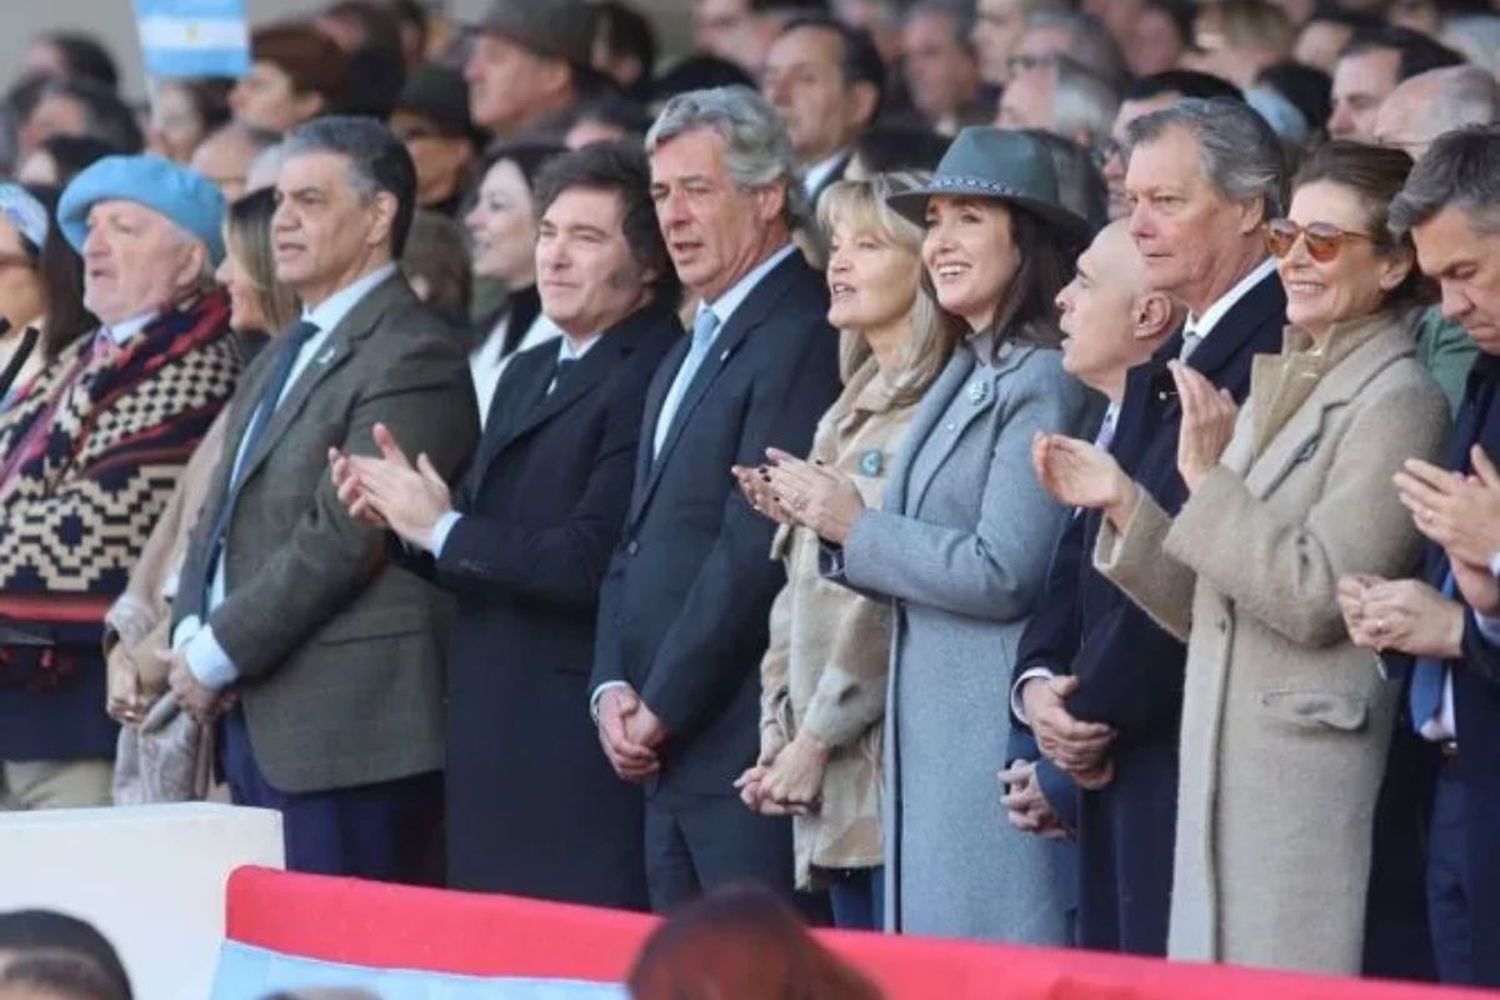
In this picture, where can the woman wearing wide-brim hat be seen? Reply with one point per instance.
(962, 543)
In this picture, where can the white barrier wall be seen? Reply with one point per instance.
(150, 877)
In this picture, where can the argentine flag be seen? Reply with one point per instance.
(194, 37)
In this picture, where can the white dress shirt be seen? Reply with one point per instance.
(1202, 326)
(819, 173)
(122, 332)
(486, 364)
(207, 659)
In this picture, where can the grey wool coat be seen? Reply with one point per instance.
(961, 546)
(1285, 722)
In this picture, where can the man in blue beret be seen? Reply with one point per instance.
(90, 454)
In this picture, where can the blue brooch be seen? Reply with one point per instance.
(872, 462)
(979, 391)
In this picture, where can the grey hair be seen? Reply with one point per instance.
(377, 162)
(1461, 170)
(758, 150)
(1238, 152)
(1467, 95)
(1082, 101)
(1089, 41)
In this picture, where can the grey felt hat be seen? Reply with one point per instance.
(1007, 166)
(560, 29)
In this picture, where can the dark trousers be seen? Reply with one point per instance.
(1448, 891)
(857, 897)
(388, 832)
(696, 843)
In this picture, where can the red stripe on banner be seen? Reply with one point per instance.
(384, 926)
(80, 609)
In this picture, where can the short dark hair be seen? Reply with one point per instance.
(86, 57)
(72, 154)
(378, 161)
(1376, 176)
(63, 974)
(861, 61)
(1308, 88)
(623, 169)
(49, 931)
(1418, 53)
(1180, 12)
(107, 117)
(209, 96)
(885, 149)
(619, 112)
(1355, 20)
(626, 30)
(1184, 82)
(529, 158)
(698, 72)
(1461, 170)
(378, 22)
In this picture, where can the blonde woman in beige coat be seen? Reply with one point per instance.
(1285, 721)
(823, 678)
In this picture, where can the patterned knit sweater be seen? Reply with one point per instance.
(89, 458)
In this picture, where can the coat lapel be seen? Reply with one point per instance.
(656, 395)
(358, 324)
(758, 306)
(931, 410)
(1298, 440)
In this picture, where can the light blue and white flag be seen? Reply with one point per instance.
(194, 37)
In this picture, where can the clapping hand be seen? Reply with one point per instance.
(1079, 474)
(1208, 416)
(817, 497)
(1458, 512)
(409, 498)
(755, 484)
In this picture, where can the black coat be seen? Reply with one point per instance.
(1130, 670)
(1396, 933)
(533, 806)
(684, 610)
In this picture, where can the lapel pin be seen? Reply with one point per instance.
(326, 356)
(872, 462)
(979, 391)
(725, 356)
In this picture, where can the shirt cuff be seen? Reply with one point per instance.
(1017, 706)
(598, 695)
(440, 531)
(1495, 565)
(208, 661)
(185, 630)
(1488, 627)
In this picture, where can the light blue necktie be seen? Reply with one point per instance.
(1427, 679)
(705, 325)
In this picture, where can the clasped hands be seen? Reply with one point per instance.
(391, 491)
(787, 778)
(790, 490)
(630, 733)
(1079, 749)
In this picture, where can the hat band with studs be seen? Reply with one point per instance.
(963, 182)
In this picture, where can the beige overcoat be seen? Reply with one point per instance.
(1285, 722)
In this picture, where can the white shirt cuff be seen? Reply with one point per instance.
(598, 694)
(440, 531)
(208, 661)
(185, 630)
(1017, 706)
(1495, 565)
(1488, 627)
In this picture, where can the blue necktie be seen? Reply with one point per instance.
(1427, 679)
(705, 325)
(290, 347)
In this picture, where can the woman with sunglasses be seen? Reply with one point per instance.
(1285, 721)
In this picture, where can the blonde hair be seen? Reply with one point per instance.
(1248, 24)
(862, 205)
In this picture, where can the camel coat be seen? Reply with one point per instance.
(1285, 722)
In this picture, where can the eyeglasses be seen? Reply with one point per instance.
(1324, 241)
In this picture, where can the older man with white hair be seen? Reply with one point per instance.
(1063, 97)
(90, 455)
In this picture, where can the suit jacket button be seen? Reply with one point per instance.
(633, 547)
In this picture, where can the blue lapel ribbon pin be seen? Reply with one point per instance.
(872, 462)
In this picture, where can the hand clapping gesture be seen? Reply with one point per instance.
(1408, 616)
(1078, 474)
(391, 491)
(755, 484)
(814, 496)
(1461, 513)
(1208, 416)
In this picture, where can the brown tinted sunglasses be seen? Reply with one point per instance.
(1324, 241)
